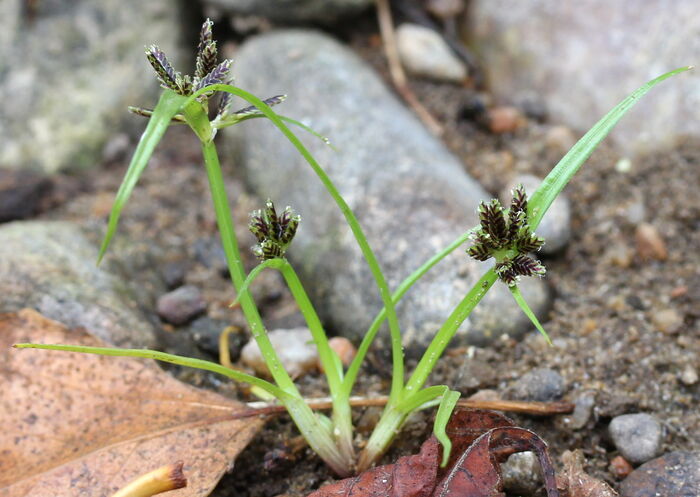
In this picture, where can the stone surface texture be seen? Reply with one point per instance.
(410, 194)
(587, 56)
(638, 437)
(675, 474)
(68, 71)
(293, 11)
(295, 348)
(51, 267)
(423, 52)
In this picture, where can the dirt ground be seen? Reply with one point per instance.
(609, 323)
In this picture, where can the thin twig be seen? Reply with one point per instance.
(398, 77)
(532, 408)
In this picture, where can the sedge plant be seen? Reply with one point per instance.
(505, 234)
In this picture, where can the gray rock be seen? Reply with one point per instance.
(423, 52)
(410, 194)
(638, 437)
(50, 267)
(181, 305)
(293, 11)
(542, 385)
(21, 194)
(206, 331)
(69, 69)
(583, 410)
(675, 474)
(556, 223)
(521, 474)
(545, 47)
(295, 348)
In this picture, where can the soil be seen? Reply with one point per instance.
(609, 323)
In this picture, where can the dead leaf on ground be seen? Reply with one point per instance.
(575, 482)
(79, 425)
(481, 441)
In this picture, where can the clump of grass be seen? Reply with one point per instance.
(505, 235)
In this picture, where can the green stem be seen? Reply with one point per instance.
(448, 330)
(319, 437)
(329, 359)
(385, 293)
(353, 370)
(342, 416)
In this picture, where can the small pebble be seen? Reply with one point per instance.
(689, 376)
(623, 166)
(542, 385)
(583, 410)
(445, 9)
(650, 245)
(676, 474)
(485, 395)
(679, 291)
(344, 348)
(521, 474)
(620, 468)
(423, 52)
(173, 273)
(619, 255)
(504, 119)
(638, 437)
(181, 305)
(667, 321)
(206, 331)
(560, 138)
(22, 193)
(294, 347)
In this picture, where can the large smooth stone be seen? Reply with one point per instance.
(68, 71)
(410, 194)
(51, 267)
(293, 11)
(585, 57)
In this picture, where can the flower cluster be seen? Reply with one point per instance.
(274, 233)
(208, 71)
(506, 236)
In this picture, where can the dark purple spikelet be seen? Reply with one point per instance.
(252, 109)
(528, 242)
(216, 76)
(493, 221)
(274, 233)
(165, 72)
(206, 51)
(507, 238)
(522, 265)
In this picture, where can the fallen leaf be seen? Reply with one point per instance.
(79, 425)
(575, 482)
(481, 441)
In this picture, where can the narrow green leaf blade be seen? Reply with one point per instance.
(562, 173)
(447, 405)
(162, 356)
(528, 312)
(168, 106)
(254, 273)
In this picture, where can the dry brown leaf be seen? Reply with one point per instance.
(575, 482)
(79, 425)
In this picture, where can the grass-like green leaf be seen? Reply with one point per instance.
(254, 273)
(528, 312)
(162, 356)
(562, 173)
(351, 219)
(168, 106)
